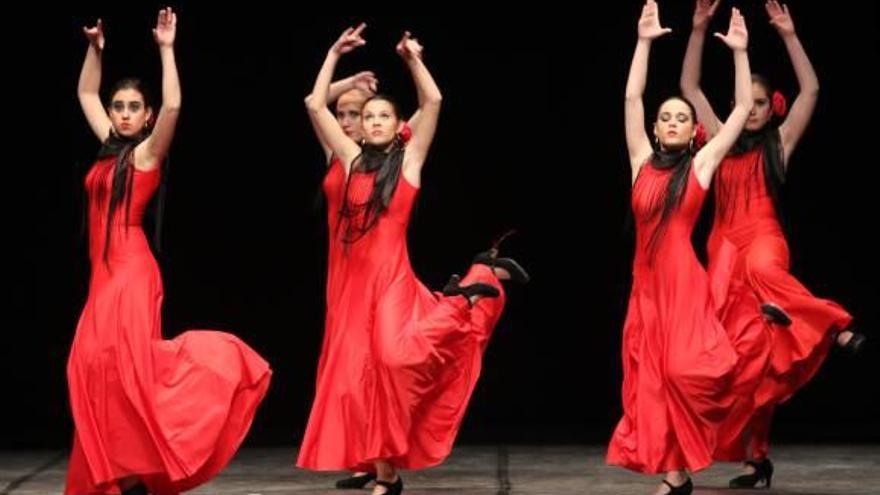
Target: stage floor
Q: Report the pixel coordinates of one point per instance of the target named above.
(485, 470)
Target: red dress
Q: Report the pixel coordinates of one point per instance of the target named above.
(398, 363)
(780, 359)
(677, 359)
(172, 412)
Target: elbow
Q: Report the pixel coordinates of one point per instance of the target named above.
(172, 106)
(688, 89)
(435, 99)
(83, 93)
(741, 111)
(312, 105)
(812, 91)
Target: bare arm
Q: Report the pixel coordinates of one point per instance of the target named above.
(323, 120)
(90, 83)
(637, 143)
(709, 157)
(365, 81)
(798, 118)
(692, 66)
(426, 117)
(154, 149)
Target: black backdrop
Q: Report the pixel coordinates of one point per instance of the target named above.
(531, 137)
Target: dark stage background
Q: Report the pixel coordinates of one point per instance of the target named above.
(531, 137)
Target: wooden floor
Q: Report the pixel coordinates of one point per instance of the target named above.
(800, 469)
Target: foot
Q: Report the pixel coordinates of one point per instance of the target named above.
(504, 268)
(356, 481)
(775, 314)
(472, 292)
(851, 341)
(755, 473)
(389, 487)
(675, 482)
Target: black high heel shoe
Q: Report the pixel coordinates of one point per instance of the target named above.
(490, 258)
(684, 489)
(763, 473)
(395, 488)
(138, 489)
(775, 314)
(355, 482)
(855, 343)
(454, 288)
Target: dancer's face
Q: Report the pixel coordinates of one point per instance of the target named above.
(761, 108)
(675, 126)
(128, 112)
(348, 113)
(380, 122)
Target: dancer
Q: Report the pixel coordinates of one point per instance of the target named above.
(774, 361)
(151, 415)
(677, 359)
(398, 363)
(349, 95)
